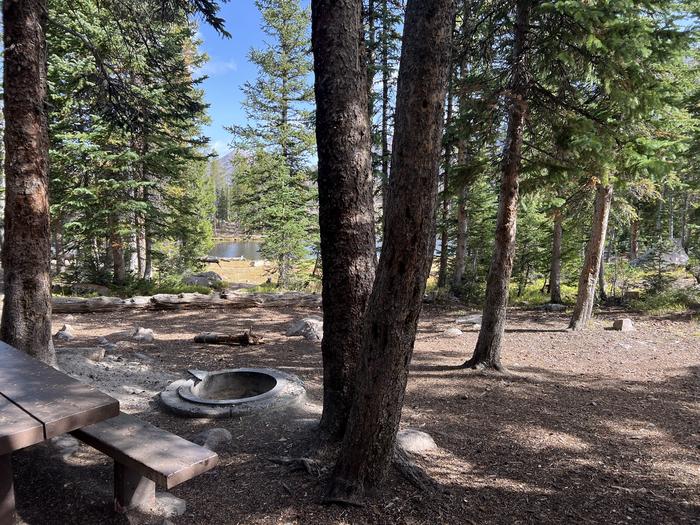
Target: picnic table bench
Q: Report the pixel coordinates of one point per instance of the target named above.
(38, 402)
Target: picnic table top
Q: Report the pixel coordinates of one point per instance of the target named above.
(37, 400)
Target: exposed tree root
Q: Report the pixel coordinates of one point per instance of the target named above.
(344, 492)
(481, 365)
(412, 472)
(310, 466)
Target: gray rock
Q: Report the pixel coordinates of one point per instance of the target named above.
(66, 333)
(453, 332)
(168, 506)
(203, 279)
(415, 441)
(143, 335)
(623, 325)
(214, 439)
(102, 341)
(671, 255)
(310, 328)
(553, 307)
(65, 445)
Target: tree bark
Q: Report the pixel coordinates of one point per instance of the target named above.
(602, 285)
(26, 316)
(555, 266)
(460, 263)
(147, 242)
(684, 222)
(444, 218)
(487, 353)
(386, 80)
(117, 245)
(392, 313)
(634, 239)
(346, 218)
(592, 261)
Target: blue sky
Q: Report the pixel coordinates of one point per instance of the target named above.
(228, 68)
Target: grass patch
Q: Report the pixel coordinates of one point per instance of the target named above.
(671, 301)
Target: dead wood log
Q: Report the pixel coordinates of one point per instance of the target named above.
(242, 339)
(77, 305)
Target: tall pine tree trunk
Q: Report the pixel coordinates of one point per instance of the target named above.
(445, 212)
(684, 221)
(555, 265)
(460, 262)
(26, 316)
(592, 260)
(386, 81)
(394, 306)
(346, 211)
(634, 239)
(117, 245)
(487, 353)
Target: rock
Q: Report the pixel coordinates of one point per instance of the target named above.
(214, 439)
(257, 264)
(65, 445)
(554, 307)
(671, 255)
(623, 325)
(470, 319)
(66, 333)
(168, 506)
(415, 441)
(102, 341)
(110, 348)
(453, 332)
(143, 335)
(311, 328)
(209, 279)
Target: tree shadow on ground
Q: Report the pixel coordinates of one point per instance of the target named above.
(539, 445)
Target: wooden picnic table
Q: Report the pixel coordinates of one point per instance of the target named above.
(38, 402)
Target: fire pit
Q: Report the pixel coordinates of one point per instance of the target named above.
(234, 392)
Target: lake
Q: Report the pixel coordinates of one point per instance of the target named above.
(246, 249)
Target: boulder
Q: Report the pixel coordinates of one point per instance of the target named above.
(310, 328)
(66, 333)
(214, 439)
(623, 325)
(671, 255)
(415, 441)
(453, 332)
(143, 335)
(209, 279)
(554, 307)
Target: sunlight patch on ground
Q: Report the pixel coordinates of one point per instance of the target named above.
(538, 438)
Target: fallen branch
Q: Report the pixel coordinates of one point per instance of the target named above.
(242, 339)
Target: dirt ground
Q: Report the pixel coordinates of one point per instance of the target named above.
(594, 427)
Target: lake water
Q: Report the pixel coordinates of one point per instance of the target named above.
(246, 249)
(250, 250)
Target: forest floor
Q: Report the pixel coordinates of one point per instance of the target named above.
(592, 427)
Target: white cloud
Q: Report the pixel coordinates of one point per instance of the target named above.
(219, 146)
(217, 67)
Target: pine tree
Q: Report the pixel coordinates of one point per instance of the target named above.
(280, 138)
